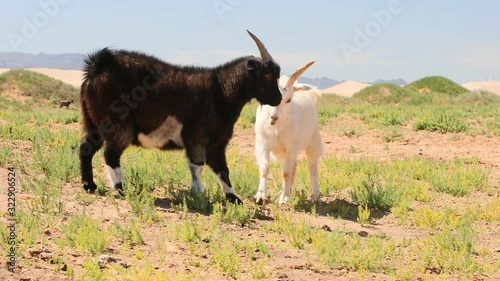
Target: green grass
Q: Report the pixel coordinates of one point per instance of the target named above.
(241, 214)
(460, 181)
(227, 259)
(56, 154)
(351, 251)
(9, 104)
(160, 216)
(247, 116)
(129, 234)
(437, 84)
(92, 270)
(392, 135)
(386, 94)
(444, 122)
(477, 98)
(468, 112)
(448, 251)
(376, 194)
(36, 88)
(85, 234)
(5, 155)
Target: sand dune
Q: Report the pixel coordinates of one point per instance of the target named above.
(346, 89)
(489, 85)
(72, 77)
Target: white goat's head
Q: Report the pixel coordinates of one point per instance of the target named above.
(287, 92)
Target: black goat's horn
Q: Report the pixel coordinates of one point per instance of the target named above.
(264, 54)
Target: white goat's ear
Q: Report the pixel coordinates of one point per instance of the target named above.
(301, 88)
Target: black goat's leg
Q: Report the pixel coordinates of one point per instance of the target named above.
(216, 160)
(196, 156)
(90, 144)
(112, 158)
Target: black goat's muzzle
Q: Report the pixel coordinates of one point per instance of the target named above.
(275, 101)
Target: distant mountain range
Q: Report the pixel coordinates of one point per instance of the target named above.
(41, 60)
(75, 61)
(398, 81)
(321, 83)
(325, 82)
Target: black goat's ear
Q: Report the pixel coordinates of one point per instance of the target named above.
(253, 65)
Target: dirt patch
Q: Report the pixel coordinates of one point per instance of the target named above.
(287, 263)
(371, 144)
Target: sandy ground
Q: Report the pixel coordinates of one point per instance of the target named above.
(294, 264)
(286, 261)
(431, 145)
(346, 89)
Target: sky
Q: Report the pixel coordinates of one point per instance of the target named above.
(349, 40)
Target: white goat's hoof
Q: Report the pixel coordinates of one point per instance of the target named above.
(260, 201)
(260, 198)
(315, 197)
(283, 200)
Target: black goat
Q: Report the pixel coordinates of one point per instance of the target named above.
(65, 103)
(129, 98)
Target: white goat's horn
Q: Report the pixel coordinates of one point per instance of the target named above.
(264, 54)
(296, 74)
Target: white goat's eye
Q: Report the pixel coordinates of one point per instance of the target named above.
(288, 101)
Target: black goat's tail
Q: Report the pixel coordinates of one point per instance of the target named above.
(96, 62)
(93, 65)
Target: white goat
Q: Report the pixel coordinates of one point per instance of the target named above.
(287, 129)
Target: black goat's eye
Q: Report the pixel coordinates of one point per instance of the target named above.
(268, 76)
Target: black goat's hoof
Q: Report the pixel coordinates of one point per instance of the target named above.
(233, 198)
(90, 187)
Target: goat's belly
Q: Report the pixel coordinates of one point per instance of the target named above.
(167, 136)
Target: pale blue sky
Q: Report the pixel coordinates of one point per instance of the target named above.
(350, 40)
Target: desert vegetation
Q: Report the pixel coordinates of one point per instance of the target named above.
(391, 209)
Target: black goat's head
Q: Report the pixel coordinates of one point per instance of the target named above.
(265, 72)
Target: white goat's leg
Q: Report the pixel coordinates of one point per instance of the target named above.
(314, 179)
(313, 154)
(287, 180)
(196, 171)
(294, 173)
(262, 156)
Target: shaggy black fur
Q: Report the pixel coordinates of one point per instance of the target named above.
(125, 93)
